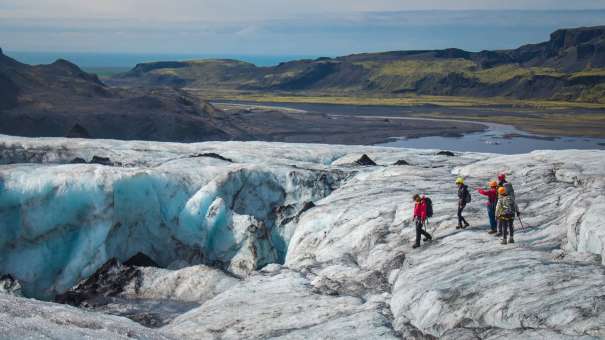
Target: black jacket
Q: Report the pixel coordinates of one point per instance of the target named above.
(462, 192)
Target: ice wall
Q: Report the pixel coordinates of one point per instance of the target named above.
(59, 223)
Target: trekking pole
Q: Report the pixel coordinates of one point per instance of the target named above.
(522, 226)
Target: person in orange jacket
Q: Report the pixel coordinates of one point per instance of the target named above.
(419, 217)
(492, 200)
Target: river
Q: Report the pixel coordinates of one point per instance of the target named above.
(497, 138)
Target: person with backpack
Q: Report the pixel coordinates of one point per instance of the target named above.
(423, 209)
(505, 212)
(492, 201)
(464, 197)
(502, 182)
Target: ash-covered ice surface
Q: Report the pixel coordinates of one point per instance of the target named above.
(241, 240)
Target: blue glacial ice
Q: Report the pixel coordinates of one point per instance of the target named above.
(61, 222)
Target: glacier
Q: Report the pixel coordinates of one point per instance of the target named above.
(264, 240)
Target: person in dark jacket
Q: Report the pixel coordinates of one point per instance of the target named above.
(502, 182)
(492, 200)
(463, 199)
(506, 209)
(419, 217)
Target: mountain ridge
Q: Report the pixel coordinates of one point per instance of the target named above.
(570, 66)
(60, 98)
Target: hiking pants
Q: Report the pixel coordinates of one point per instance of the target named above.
(420, 231)
(491, 212)
(460, 218)
(505, 227)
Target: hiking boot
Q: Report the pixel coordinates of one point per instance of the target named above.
(466, 224)
(503, 241)
(415, 246)
(498, 234)
(491, 232)
(511, 240)
(427, 239)
(459, 227)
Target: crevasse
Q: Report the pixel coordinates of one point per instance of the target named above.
(61, 222)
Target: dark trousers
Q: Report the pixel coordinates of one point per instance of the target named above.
(505, 227)
(420, 231)
(460, 218)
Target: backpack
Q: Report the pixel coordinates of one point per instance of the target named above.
(508, 207)
(429, 207)
(467, 196)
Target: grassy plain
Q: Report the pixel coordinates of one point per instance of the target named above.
(549, 118)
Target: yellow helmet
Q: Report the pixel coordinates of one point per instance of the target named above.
(493, 184)
(459, 180)
(502, 190)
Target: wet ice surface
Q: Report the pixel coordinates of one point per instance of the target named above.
(246, 257)
(502, 139)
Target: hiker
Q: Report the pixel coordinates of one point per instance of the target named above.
(502, 182)
(505, 212)
(420, 215)
(464, 197)
(492, 200)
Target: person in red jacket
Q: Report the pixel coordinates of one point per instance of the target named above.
(492, 200)
(420, 218)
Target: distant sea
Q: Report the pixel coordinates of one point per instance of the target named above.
(126, 61)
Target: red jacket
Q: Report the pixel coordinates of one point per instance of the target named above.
(420, 210)
(492, 196)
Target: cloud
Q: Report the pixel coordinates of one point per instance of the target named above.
(254, 10)
(312, 27)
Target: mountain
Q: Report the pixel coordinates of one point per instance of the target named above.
(62, 100)
(570, 66)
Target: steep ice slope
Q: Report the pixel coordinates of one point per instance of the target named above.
(349, 270)
(63, 221)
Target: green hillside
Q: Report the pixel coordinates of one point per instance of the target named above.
(569, 67)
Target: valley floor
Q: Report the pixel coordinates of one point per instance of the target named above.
(293, 241)
(548, 118)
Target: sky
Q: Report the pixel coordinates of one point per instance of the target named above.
(280, 27)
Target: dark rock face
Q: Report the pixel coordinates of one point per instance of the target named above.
(446, 153)
(77, 131)
(212, 155)
(365, 161)
(10, 285)
(107, 281)
(106, 292)
(141, 260)
(95, 160)
(8, 93)
(401, 162)
(78, 160)
(101, 160)
(59, 100)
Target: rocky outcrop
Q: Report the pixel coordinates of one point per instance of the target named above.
(10, 286)
(146, 294)
(365, 160)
